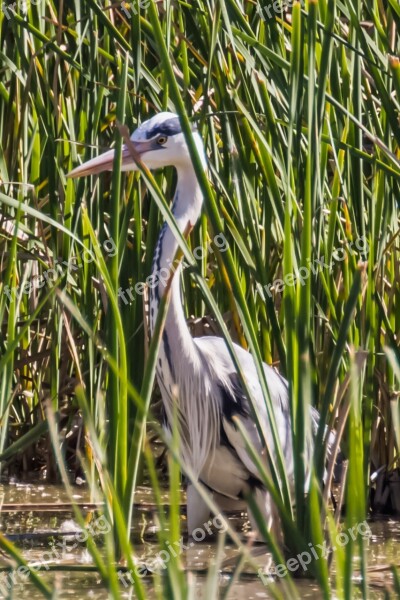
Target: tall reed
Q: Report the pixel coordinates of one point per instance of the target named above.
(299, 110)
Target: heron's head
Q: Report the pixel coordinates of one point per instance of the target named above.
(158, 142)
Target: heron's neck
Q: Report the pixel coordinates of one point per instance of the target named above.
(186, 209)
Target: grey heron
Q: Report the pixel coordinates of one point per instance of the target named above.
(209, 392)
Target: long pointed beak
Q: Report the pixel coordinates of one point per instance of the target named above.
(104, 162)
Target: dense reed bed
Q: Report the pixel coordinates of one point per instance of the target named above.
(299, 111)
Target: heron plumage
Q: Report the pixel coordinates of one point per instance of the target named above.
(197, 376)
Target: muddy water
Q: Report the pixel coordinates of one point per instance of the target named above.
(44, 535)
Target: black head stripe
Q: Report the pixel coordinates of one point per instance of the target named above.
(169, 127)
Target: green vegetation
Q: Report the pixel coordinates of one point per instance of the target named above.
(299, 112)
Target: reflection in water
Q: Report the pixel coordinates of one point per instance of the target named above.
(51, 537)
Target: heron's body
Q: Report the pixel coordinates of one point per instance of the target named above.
(199, 374)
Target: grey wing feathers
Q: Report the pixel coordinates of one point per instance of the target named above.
(235, 403)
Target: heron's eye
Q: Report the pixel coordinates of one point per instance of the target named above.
(161, 140)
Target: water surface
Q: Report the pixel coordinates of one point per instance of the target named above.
(42, 525)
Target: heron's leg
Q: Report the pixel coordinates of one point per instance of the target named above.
(270, 515)
(198, 512)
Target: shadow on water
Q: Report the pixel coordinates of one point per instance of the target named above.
(39, 520)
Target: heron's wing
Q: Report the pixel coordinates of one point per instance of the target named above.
(234, 402)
